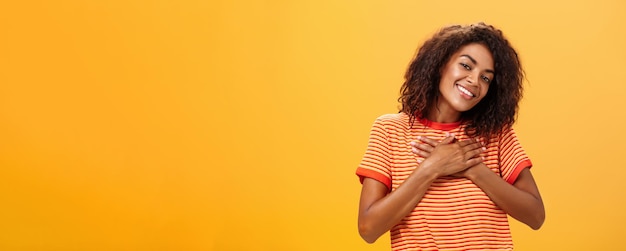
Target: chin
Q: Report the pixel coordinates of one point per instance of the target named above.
(463, 108)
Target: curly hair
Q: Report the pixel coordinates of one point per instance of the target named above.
(497, 110)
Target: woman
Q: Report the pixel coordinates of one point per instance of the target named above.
(445, 171)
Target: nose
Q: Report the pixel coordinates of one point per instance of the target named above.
(472, 78)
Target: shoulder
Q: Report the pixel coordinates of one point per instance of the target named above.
(393, 125)
(507, 134)
(394, 119)
(508, 140)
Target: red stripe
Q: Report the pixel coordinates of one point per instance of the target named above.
(366, 173)
(454, 213)
(524, 164)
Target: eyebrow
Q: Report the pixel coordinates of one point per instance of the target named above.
(474, 61)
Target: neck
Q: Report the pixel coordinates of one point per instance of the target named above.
(443, 115)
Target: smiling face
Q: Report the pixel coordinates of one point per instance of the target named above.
(464, 82)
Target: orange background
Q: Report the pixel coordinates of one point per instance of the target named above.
(238, 125)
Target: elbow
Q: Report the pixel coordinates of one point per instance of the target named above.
(538, 221)
(536, 226)
(367, 233)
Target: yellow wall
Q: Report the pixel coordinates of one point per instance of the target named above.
(237, 125)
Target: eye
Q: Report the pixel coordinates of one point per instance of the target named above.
(486, 79)
(466, 66)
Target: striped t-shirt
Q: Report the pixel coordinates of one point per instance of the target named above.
(454, 214)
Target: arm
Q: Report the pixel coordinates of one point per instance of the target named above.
(380, 210)
(521, 200)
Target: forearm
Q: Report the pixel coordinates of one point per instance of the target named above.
(385, 213)
(521, 202)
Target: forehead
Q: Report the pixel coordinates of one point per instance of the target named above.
(478, 52)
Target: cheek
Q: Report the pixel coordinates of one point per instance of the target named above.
(484, 90)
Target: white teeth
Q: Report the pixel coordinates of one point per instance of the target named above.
(463, 90)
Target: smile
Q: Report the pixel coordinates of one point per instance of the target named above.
(465, 91)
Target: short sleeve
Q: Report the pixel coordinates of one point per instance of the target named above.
(512, 157)
(376, 160)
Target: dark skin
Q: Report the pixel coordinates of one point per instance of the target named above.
(464, 83)
(380, 210)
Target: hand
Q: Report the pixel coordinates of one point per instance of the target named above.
(451, 157)
(427, 145)
(467, 173)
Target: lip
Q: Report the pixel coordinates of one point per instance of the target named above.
(459, 87)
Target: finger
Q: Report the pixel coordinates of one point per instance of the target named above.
(474, 161)
(448, 139)
(428, 140)
(466, 142)
(420, 152)
(474, 153)
(473, 146)
(425, 147)
(419, 146)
